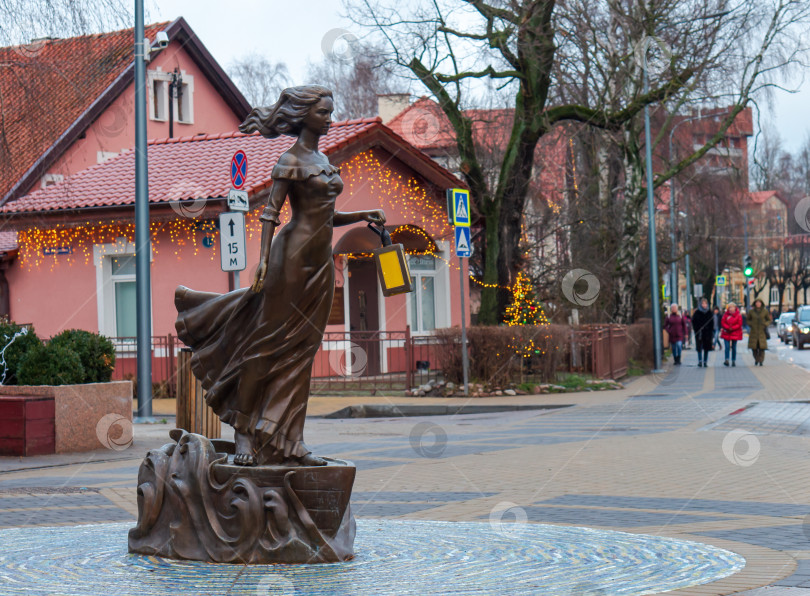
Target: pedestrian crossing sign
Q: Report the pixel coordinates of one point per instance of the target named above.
(463, 245)
(459, 203)
(720, 280)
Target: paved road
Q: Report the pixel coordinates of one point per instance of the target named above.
(790, 353)
(717, 455)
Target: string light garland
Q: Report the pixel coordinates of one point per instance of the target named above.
(40, 247)
(525, 311)
(365, 174)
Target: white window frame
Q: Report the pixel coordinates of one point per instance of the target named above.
(774, 295)
(441, 293)
(105, 283)
(102, 156)
(51, 179)
(165, 78)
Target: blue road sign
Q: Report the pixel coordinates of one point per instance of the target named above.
(238, 169)
(463, 244)
(461, 207)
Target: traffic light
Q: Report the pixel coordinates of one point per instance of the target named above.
(748, 268)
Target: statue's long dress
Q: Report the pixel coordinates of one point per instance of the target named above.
(254, 352)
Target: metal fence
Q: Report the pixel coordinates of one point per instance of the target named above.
(367, 361)
(353, 361)
(388, 361)
(600, 350)
(164, 362)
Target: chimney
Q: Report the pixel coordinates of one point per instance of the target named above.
(391, 104)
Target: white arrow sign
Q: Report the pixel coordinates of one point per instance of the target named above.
(232, 241)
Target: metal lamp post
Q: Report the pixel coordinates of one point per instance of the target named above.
(689, 293)
(656, 310)
(143, 289)
(674, 280)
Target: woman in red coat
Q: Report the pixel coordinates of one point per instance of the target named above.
(731, 325)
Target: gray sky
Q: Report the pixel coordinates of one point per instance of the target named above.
(294, 32)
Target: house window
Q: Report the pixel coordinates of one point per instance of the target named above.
(51, 179)
(774, 295)
(122, 276)
(115, 288)
(160, 98)
(423, 297)
(183, 100)
(102, 156)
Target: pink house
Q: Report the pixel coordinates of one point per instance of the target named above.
(68, 104)
(76, 237)
(67, 193)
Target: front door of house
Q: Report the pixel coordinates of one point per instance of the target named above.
(364, 312)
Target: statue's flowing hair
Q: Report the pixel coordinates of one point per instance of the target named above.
(285, 117)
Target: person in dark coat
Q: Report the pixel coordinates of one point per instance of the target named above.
(676, 327)
(703, 324)
(687, 318)
(717, 316)
(758, 319)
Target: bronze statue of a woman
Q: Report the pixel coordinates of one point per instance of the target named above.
(253, 348)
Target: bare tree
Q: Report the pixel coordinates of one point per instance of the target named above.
(28, 20)
(449, 45)
(260, 80)
(357, 75)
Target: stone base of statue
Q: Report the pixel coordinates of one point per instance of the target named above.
(194, 504)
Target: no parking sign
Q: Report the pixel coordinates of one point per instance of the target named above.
(238, 169)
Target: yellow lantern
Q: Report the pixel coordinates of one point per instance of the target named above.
(392, 265)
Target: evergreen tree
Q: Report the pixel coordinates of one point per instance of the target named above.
(524, 309)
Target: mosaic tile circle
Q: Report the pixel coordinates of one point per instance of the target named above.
(392, 557)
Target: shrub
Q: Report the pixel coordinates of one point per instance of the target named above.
(96, 353)
(49, 364)
(14, 350)
(640, 343)
(500, 355)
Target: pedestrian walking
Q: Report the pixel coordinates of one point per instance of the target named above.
(758, 320)
(717, 316)
(732, 326)
(688, 339)
(703, 324)
(675, 325)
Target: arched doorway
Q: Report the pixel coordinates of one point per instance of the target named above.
(361, 288)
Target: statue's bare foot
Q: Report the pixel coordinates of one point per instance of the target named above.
(244, 450)
(244, 459)
(311, 460)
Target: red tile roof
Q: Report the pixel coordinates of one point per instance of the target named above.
(8, 241)
(425, 126)
(46, 86)
(190, 167)
(760, 196)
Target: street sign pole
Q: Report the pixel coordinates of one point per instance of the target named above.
(465, 365)
(237, 201)
(459, 212)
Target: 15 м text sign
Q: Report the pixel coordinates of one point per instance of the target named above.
(232, 241)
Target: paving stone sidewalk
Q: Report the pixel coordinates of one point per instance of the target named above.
(705, 454)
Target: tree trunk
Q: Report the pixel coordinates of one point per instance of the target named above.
(625, 279)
